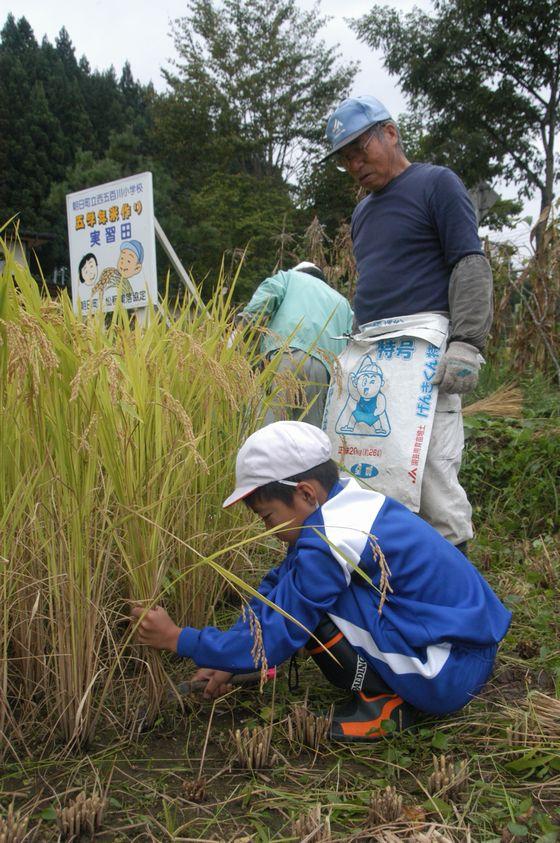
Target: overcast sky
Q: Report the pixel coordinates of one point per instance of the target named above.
(109, 32)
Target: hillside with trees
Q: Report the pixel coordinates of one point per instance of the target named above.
(231, 141)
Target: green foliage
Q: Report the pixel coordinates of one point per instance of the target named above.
(261, 71)
(248, 96)
(329, 195)
(33, 146)
(52, 108)
(503, 212)
(233, 213)
(249, 92)
(485, 78)
(510, 473)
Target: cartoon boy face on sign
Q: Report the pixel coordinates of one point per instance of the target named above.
(364, 413)
(368, 383)
(130, 258)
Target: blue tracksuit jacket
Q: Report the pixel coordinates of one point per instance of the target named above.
(434, 642)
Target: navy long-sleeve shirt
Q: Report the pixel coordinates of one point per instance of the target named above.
(407, 238)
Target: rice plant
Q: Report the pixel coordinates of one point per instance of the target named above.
(119, 446)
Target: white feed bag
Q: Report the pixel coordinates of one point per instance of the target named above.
(381, 402)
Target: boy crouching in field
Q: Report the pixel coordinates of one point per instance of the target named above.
(429, 646)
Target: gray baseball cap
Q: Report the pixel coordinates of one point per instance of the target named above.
(352, 117)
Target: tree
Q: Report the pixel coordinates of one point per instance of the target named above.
(235, 215)
(262, 72)
(249, 94)
(51, 108)
(33, 146)
(59, 71)
(329, 195)
(485, 77)
(192, 139)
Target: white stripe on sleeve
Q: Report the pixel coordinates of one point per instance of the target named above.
(437, 654)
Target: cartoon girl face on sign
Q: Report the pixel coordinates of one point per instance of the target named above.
(88, 269)
(365, 413)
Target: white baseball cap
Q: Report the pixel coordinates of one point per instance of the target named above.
(276, 452)
(310, 269)
(306, 265)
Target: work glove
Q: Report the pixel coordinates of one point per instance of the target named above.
(241, 319)
(458, 369)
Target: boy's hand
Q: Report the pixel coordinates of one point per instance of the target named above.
(217, 682)
(156, 629)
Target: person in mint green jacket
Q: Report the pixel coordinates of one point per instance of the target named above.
(306, 317)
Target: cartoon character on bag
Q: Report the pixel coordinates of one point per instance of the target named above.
(364, 413)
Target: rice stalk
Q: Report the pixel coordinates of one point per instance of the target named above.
(518, 732)
(432, 835)
(386, 806)
(505, 402)
(83, 815)
(194, 790)
(313, 827)
(14, 827)
(306, 729)
(449, 779)
(546, 711)
(253, 747)
(109, 435)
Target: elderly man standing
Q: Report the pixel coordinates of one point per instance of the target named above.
(417, 250)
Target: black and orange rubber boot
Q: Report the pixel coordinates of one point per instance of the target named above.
(361, 718)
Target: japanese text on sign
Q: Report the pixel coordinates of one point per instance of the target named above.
(111, 233)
